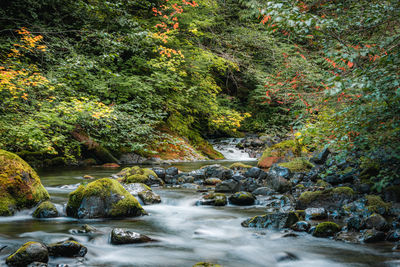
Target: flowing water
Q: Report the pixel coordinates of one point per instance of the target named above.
(186, 233)
(227, 147)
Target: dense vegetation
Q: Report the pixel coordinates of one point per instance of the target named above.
(128, 73)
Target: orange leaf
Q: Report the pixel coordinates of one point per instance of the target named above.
(350, 64)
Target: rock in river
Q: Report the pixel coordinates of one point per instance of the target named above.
(104, 198)
(30, 252)
(123, 236)
(20, 186)
(45, 210)
(68, 248)
(242, 198)
(277, 220)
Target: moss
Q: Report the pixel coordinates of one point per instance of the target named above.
(20, 186)
(308, 197)
(286, 149)
(45, 207)
(219, 198)
(326, 229)
(343, 191)
(136, 175)
(239, 165)
(206, 264)
(300, 186)
(322, 183)
(103, 188)
(376, 204)
(299, 164)
(21, 250)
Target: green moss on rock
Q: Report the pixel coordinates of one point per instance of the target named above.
(20, 186)
(376, 204)
(137, 175)
(45, 210)
(239, 166)
(30, 252)
(326, 229)
(107, 193)
(328, 197)
(288, 150)
(299, 164)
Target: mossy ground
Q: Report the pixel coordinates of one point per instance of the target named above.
(20, 186)
(103, 188)
(299, 164)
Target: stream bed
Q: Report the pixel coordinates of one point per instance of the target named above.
(186, 233)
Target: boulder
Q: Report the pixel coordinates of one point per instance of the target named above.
(242, 198)
(139, 175)
(104, 198)
(159, 171)
(377, 222)
(299, 164)
(372, 236)
(239, 166)
(280, 171)
(253, 172)
(264, 191)
(68, 248)
(144, 192)
(355, 223)
(316, 214)
(212, 181)
(320, 156)
(326, 229)
(123, 236)
(393, 236)
(330, 199)
(217, 171)
(279, 152)
(274, 220)
(198, 174)
(348, 237)
(227, 186)
(301, 226)
(278, 183)
(20, 186)
(213, 199)
(172, 171)
(45, 210)
(30, 252)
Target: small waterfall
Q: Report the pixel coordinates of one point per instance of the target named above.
(228, 148)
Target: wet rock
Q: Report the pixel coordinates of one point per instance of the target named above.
(172, 171)
(218, 171)
(191, 186)
(301, 226)
(159, 171)
(227, 186)
(253, 172)
(103, 198)
(187, 179)
(286, 256)
(393, 236)
(69, 248)
(372, 236)
(38, 264)
(277, 170)
(123, 236)
(212, 181)
(249, 184)
(238, 177)
(149, 197)
(242, 198)
(326, 229)
(355, 223)
(213, 199)
(30, 252)
(331, 199)
(198, 174)
(45, 210)
(316, 214)
(85, 229)
(131, 158)
(264, 191)
(274, 220)
(278, 183)
(396, 248)
(20, 186)
(88, 177)
(321, 156)
(376, 221)
(289, 234)
(348, 237)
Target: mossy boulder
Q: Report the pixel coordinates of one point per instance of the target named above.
(213, 199)
(20, 186)
(377, 205)
(30, 252)
(330, 199)
(242, 198)
(139, 175)
(45, 210)
(273, 220)
(68, 248)
(299, 164)
(104, 198)
(239, 166)
(123, 236)
(283, 151)
(144, 192)
(326, 229)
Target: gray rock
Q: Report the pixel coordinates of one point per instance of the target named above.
(264, 191)
(198, 174)
(131, 158)
(278, 183)
(355, 223)
(277, 170)
(123, 236)
(212, 181)
(190, 186)
(376, 221)
(393, 236)
(253, 172)
(320, 157)
(274, 220)
(238, 177)
(213, 199)
(67, 248)
(348, 237)
(30, 252)
(172, 171)
(159, 171)
(227, 186)
(372, 236)
(301, 226)
(285, 256)
(218, 171)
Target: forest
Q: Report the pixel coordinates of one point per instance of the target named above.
(310, 89)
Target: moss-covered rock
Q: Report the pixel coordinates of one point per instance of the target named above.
(68, 248)
(285, 150)
(242, 198)
(328, 198)
(376, 204)
(139, 175)
(274, 220)
(102, 199)
(20, 186)
(239, 166)
(326, 229)
(144, 192)
(299, 164)
(123, 236)
(28, 253)
(45, 210)
(214, 199)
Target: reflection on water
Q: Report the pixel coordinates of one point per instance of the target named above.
(186, 234)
